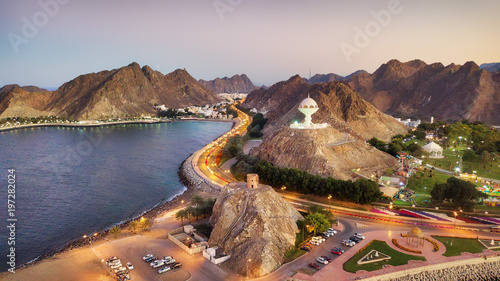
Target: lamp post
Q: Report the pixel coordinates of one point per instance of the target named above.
(248, 273)
(329, 197)
(455, 221)
(390, 214)
(283, 189)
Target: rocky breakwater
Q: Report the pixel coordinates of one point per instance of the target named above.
(255, 226)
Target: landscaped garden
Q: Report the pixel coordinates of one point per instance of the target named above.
(456, 246)
(397, 258)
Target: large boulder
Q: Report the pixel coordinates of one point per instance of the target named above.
(265, 228)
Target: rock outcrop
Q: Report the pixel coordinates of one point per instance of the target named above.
(416, 89)
(266, 228)
(118, 93)
(236, 84)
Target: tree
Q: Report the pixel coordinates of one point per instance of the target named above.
(462, 194)
(181, 215)
(380, 145)
(115, 231)
(134, 226)
(469, 156)
(317, 223)
(197, 200)
(145, 224)
(192, 212)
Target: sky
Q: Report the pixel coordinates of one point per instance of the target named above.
(49, 42)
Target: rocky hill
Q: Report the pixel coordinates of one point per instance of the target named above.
(417, 89)
(339, 106)
(333, 151)
(265, 231)
(236, 84)
(130, 90)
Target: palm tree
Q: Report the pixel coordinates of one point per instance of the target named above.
(181, 215)
(115, 231)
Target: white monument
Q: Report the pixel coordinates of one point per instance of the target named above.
(308, 107)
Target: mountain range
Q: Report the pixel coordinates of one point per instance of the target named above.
(236, 84)
(122, 92)
(420, 90)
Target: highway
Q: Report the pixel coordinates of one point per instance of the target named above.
(208, 161)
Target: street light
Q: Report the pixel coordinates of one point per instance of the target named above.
(390, 214)
(455, 222)
(329, 197)
(248, 273)
(283, 189)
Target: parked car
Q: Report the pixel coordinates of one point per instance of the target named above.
(169, 262)
(150, 259)
(355, 239)
(319, 238)
(314, 242)
(130, 266)
(314, 265)
(359, 235)
(329, 260)
(111, 259)
(322, 260)
(176, 265)
(306, 248)
(114, 262)
(332, 230)
(164, 269)
(157, 263)
(348, 243)
(147, 257)
(325, 235)
(337, 251)
(113, 266)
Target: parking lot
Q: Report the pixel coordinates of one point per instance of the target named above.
(132, 249)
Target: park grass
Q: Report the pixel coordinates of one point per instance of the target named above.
(400, 202)
(293, 254)
(450, 162)
(460, 245)
(397, 258)
(418, 182)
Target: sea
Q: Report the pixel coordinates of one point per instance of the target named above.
(69, 182)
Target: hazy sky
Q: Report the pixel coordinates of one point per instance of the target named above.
(52, 43)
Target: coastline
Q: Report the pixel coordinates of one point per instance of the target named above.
(187, 177)
(104, 124)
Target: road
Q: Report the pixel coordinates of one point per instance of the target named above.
(208, 161)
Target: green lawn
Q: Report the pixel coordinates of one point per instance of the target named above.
(459, 245)
(423, 183)
(293, 254)
(397, 258)
(450, 162)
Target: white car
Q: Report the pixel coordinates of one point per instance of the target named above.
(327, 234)
(157, 263)
(348, 243)
(314, 239)
(332, 230)
(322, 260)
(164, 269)
(122, 268)
(314, 242)
(113, 266)
(169, 261)
(319, 238)
(130, 266)
(147, 256)
(359, 235)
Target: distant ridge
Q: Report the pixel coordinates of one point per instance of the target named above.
(420, 90)
(491, 67)
(330, 77)
(126, 91)
(236, 84)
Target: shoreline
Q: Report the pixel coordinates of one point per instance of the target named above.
(104, 124)
(188, 178)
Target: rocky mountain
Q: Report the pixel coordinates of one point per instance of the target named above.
(420, 90)
(333, 151)
(491, 67)
(28, 101)
(264, 232)
(236, 84)
(330, 77)
(130, 90)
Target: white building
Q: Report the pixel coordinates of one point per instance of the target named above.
(308, 107)
(434, 150)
